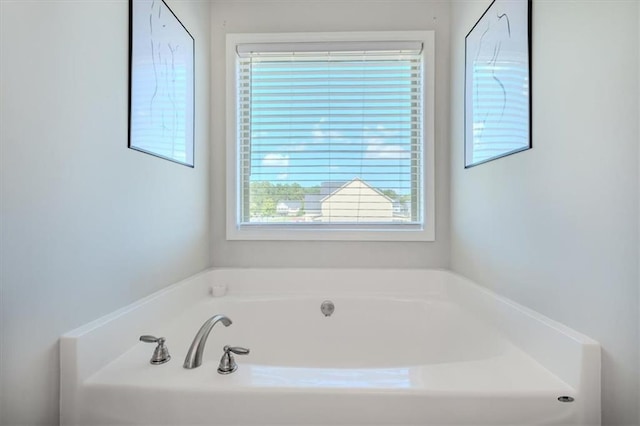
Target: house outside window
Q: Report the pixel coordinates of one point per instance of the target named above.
(330, 136)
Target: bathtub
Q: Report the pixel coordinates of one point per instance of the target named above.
(403, 347)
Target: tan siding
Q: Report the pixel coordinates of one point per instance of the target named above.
(357, 202)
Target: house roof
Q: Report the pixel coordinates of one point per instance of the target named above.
(328, 188)
(291, 204)
(344, 184)
(313, 202)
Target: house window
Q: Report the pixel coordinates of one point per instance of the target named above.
(330, 136)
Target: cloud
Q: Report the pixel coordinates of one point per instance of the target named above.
(380, 151)
(275, 160)
(278, 161)
(321, 135)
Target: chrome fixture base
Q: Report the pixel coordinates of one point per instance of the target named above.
(222, 371)
(160, 361)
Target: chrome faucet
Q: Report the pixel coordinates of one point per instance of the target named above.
(194, 356)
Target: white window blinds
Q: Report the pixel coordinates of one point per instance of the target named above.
(330, 136)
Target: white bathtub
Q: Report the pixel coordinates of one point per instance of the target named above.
(403, 347)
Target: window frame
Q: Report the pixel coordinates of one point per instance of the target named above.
(331, 232)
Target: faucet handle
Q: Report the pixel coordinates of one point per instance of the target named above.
(227, 362)
(150, 339)
(236, 350)
(161, 353)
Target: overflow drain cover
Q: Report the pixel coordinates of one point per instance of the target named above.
(327, 308)
(566, 399)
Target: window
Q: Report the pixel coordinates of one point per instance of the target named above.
(330, 136)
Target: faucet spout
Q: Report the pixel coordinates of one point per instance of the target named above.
(194, 356)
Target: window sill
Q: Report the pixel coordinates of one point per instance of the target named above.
(335, 233)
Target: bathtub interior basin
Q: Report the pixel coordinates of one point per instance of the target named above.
(431, 348)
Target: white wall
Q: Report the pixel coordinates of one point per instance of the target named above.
(255, 16)
(88, 225)
(556, 228)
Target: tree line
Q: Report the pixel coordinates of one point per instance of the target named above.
(265, 196)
